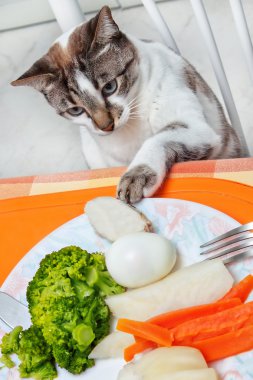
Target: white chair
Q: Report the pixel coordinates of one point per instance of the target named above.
(68, 14)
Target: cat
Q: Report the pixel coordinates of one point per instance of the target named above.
(138, 103)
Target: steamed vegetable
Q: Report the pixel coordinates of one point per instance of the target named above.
(213, 325)
(139, 259)
(241, 290)
(66, 302)
(146, 330)
(112, 218)
(67, 307)
(33, 352)
(223, 346)
(176, 317)
(197, 284)
(165, 363)
(215, 342)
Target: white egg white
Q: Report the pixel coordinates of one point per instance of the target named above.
(140, 259)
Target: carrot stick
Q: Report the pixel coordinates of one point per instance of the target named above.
(240, 290)
(214, 325)
(137, 348)
(226, 345)
(221, 320)
(175, 318)
(146, 331)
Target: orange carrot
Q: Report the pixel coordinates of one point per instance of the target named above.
(226, 345)
(137, 348)
(175, 318)
(146, 331)
(240, 290)
(214, 325)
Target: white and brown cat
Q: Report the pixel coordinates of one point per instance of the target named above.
(138, 103)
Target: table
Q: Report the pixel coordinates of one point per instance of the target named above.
(238, 170)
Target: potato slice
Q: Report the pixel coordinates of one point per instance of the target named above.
(112, 218)
(197, 284)
(198, 374)
(128, 372)
(173, 363)
(169, 359)
(112, 346)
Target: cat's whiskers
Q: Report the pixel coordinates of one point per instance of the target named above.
(136, 112)
(135, 115)
(132, 101)
(134, 106)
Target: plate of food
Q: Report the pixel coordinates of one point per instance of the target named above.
(151, 268)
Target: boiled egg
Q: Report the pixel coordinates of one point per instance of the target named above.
(140, 258)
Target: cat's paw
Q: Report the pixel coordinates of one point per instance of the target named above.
(136, 183)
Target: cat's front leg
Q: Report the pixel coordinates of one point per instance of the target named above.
(147, 171)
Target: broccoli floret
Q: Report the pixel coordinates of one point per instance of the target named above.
(7, 361)
(45, 371)
(74, 360)
(68, 312)
(83, 335)
(98, 313)
(36, 359)
(35, 355)
(82, 290)
(10, 341)
(80, 362)
(33, 350)
(103, 281)
(66, 301)
(62, 354)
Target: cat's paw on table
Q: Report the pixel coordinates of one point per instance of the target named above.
(136, 183)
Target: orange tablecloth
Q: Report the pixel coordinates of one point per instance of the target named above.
(238, 170)
(31, 207)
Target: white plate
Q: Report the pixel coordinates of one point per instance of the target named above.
(187, 224)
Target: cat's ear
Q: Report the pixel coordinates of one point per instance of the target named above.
(38, 76)
(106, 28)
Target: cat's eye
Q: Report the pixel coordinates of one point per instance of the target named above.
(109, 88)
(76, 111)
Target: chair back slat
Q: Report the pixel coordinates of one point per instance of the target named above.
(243, 32)
(160, 24)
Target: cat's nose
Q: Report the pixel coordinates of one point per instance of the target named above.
(109, 127)
(103, 120)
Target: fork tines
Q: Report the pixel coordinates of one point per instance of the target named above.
(240, 245)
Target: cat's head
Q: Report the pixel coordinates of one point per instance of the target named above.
(89, 74)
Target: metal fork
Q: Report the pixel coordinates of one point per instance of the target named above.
(228, 247)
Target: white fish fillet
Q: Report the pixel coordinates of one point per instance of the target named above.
(112, 218)
(197, 284)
